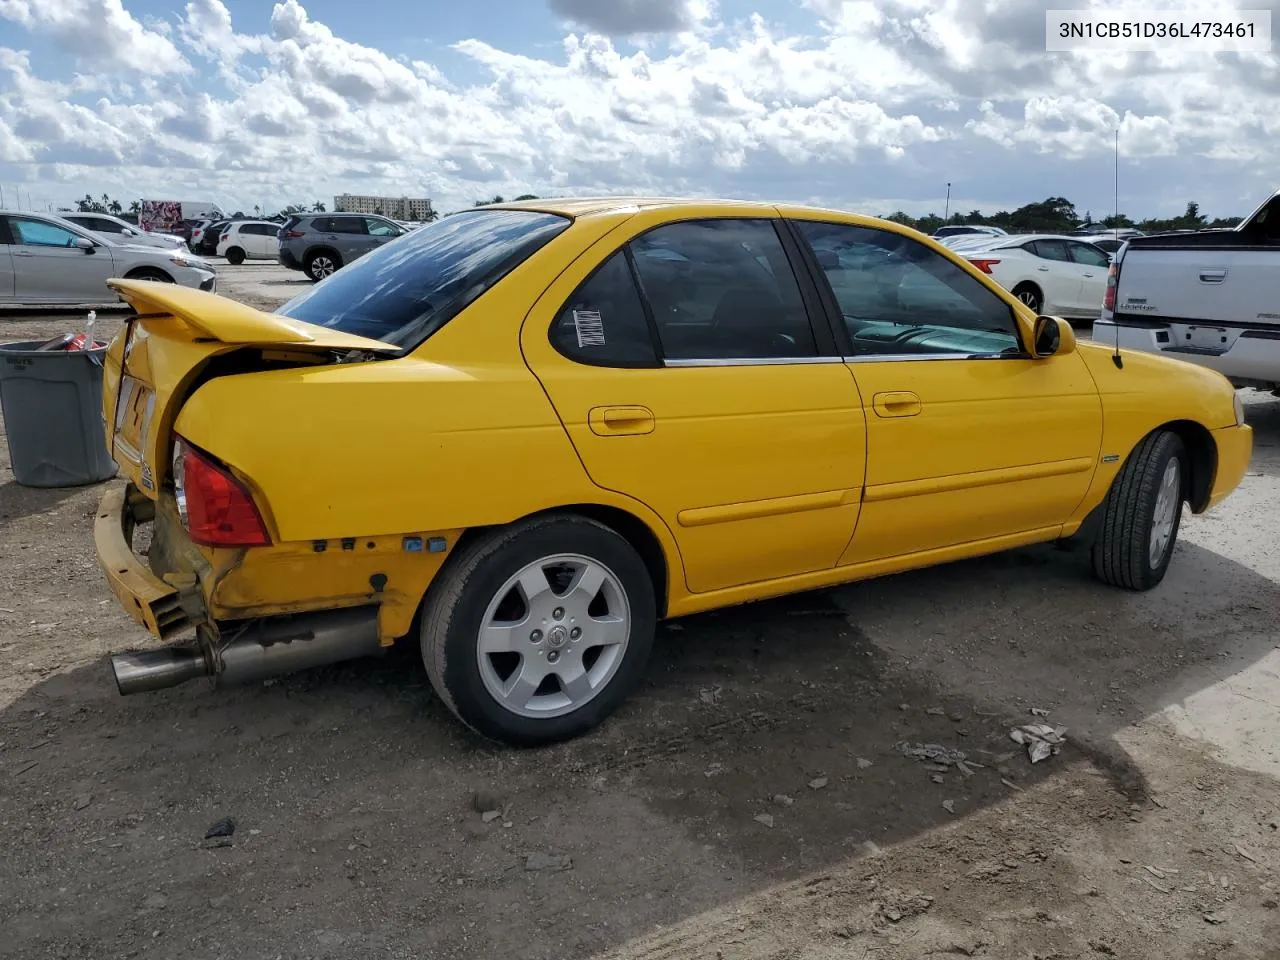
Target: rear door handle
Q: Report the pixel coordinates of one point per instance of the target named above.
(1212, 276)
(1043, 269)
(898, 403)
(22, 253)
(621, 421)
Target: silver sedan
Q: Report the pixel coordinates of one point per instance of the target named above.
(46, 259)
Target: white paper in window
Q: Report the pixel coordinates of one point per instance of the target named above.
(590, 328)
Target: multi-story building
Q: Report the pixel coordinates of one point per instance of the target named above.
(398, 208)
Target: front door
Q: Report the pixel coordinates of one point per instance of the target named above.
(690, 376)
(968, 439)
(47, 264)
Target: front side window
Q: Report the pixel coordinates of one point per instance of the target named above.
(406, 290)
(381, 228)
(37, 233)
(899, 297)
(604, 322)
(722, 289)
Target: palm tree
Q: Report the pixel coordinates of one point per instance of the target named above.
(317, 207)
(116, 208)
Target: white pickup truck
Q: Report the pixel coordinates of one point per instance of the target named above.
(1211, 297)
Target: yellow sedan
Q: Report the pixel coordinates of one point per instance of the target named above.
(523, 434)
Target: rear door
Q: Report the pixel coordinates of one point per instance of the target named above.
(350, 235)
(1059, 276)
(1093, 265)
(49, 266)
(380, 231)
(693, 373)
(6, 261)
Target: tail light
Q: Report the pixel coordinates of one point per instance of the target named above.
(1113, 280)
(291, 234)
(217, 509)
(983, 265)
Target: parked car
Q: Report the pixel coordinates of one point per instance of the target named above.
(1210, 297)
(197, 233)
(318, 244)
(719, 403)
(1058, 275)
(243, 240)
(47, 259)
(968, 229)
(207, 245)
(114, 228)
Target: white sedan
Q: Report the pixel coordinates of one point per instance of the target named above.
(1056, 275)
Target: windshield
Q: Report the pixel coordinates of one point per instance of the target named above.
(406, 290)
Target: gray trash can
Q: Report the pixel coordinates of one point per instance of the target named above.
(52, 406)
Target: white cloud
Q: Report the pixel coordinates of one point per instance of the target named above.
(624, 18)
(99, 32)
(883, 99)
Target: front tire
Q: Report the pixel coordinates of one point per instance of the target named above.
(149, 273)
(235, 256)
(537, 632)
(1142, 514)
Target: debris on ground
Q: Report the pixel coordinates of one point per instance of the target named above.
(547, 861)
(817, 783)
(937, 778)
(863, 764)
(936, 712)
(934, 753)
(1214, 918)
(1041, 740)
(483, 800)
(710, 695)
(82, 801)
(949, 806)
(764, 818)
(1246, 854)
(490, 815)
(782, 800)
(902, 907)
(1039, 712)
(222, 828)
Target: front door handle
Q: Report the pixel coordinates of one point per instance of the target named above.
(1212, 276)
(1043, 269)
(621, 421)
(898, 403)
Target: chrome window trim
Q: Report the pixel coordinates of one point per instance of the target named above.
(747, 361)
(904, 357)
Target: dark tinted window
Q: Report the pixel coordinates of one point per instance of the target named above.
(1088, 255)
(410, 287)
(723, 289)
(604, 321)
(1050, 250)
(347, 225)
(899, 297)
(321, 224)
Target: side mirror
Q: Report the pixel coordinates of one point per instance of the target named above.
(128, 232)
(85, 244)
(1052, 337)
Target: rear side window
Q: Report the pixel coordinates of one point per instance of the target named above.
(604, 321)
(723, 290)
(1051, 250)
(348, 225)
(410, 287)
(320, 224)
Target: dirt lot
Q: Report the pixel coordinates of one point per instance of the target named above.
(750, 801)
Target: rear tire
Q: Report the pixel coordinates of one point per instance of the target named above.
(535, 633)
(321, 263)
(1142, 513)
(235, 256)
(1030, 295)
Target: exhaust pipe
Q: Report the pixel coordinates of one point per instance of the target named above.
(267, 648)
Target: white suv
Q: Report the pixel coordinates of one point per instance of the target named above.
(243, 240)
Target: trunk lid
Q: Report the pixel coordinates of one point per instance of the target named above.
(169, 348)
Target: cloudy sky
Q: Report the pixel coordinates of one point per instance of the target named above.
(872, 106)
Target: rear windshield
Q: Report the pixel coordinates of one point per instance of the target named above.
(407, 289)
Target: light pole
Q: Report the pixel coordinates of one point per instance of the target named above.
(946, 214)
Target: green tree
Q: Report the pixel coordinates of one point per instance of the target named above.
(317, 207)
(524, 196)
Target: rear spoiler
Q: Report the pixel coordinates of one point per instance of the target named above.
(231, 322)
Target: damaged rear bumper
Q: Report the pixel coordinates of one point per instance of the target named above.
(164, 608)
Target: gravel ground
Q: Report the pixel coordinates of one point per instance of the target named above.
(750, 801)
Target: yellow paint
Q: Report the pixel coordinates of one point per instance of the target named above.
(755, 480)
